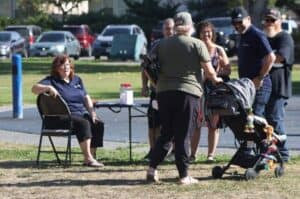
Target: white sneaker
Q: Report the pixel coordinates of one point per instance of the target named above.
(188, 180)
(152, 175)
(210, 159)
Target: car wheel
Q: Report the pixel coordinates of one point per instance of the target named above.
(97, 57)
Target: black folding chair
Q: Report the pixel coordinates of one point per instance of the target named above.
(56, 122)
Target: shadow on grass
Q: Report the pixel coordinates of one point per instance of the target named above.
(17, 164)
(296, 87)
(50, 164)
(63, 182)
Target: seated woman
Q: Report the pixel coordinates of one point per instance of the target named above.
(87, 127)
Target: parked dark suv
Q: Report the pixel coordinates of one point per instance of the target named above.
(28, 32)
(84, 36)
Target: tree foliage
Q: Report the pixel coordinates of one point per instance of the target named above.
(65, 6)
(147, 13)
(207, 8)
(152, 9)
(290, 4)
(28, 8)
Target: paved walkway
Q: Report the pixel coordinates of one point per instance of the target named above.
(26, 130)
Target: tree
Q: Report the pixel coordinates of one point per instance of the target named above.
(27, 8)
(207, 8)
(289, 4)
(65, 6)
(202, 9)
(256, 10)
(146, 9)
(147, 13)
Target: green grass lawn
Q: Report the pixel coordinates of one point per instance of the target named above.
(102, 79)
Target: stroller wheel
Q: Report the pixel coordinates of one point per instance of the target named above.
(217, 172)
(250, 174)
(279, 171)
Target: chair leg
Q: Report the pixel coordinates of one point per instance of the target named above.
(39, 150)
(54, 150)
(70, 148)
(68, 152)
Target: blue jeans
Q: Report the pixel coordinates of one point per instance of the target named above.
(275, 113)
(261, 99)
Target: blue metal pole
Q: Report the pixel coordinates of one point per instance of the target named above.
(17, 86)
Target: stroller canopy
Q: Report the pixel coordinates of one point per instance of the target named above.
(243, 90)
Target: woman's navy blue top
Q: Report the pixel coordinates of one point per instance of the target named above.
(73, 92)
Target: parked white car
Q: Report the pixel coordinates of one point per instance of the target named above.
(289, 26)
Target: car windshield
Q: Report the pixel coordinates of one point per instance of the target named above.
(4, 37)
(52, 37)
(22, 31)
(74, 30)
(114, 31)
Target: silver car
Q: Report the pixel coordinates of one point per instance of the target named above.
(12, 42)
(54, 43)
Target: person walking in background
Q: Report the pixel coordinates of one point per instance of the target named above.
(255, 58)
(153, 116)
(219, 60)
(283, 46)
(178, 93)
(87, 127)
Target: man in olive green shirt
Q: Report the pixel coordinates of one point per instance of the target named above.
(179, 89)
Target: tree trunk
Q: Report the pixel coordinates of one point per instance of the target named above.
(256, 10)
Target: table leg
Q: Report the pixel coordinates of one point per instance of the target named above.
(129, 132)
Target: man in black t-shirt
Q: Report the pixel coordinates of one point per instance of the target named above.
(283, 47)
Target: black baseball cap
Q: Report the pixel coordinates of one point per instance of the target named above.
(273, 13)
(238, 14)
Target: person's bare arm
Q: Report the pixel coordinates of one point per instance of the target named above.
(90, 107)
(145, 88)
(41, 88)
(267, 65)
(210, 72)
(224, 68)
(279, 59)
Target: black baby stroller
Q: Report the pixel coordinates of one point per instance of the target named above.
(256, 140)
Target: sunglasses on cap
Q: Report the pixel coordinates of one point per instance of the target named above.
(269, 20)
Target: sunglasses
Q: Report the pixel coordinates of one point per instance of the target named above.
(237, 23)
(270, 20)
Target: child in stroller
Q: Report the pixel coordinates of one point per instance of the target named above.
(257, 142)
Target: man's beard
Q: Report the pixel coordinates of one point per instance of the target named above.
(270, 32)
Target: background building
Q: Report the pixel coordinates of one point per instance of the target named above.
(7, 8)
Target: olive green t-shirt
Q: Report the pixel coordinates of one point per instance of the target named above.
(179, 58)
